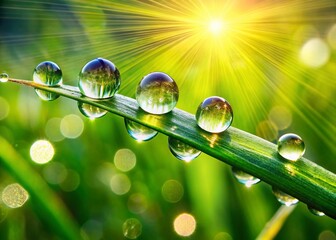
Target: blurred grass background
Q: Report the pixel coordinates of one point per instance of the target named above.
(274, 61)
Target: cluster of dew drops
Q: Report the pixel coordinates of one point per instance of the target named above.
(157, 93)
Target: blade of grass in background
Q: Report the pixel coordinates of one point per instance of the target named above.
(52, 208)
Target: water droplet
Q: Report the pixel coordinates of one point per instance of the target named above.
(214, 114)
(284, 198)
(14, 195)
(138, 131)
(132, 228)
(181, 150)
(91, 111)
(45, 95)
(291, 146)
(99, 78)
(244, 178)
(157, 93)
(4, 77)
(47, 73)
(316, 212)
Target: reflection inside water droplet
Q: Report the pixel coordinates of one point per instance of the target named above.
(284, 198)
(244, 178)
(181, 150)
(157, 93)
(316, 212)
(4, 77)
(91, 111)
(47, 73)
(214, 114)
(291, 146)
(45, 95)
(138, 131)
(99, 79)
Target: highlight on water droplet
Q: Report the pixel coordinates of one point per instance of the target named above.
(4, 77)
(124, 160)
(181, 150)
(48, 73)
(132, 228)
(99, 79)
(46, 96)
(291, 146)
(91, 111)
(185, 224)
(157, 93)
(41, 151)
(244, 178)
(316, 212)
(138, 131)
(284, 198)
(214, 114)
(14, 195)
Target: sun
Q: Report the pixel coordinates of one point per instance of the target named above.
(216, 27)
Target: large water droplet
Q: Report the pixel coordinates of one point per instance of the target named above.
(4, 77)
(316, 212)
(45, 95)
(91, 111)
(291, 146)
(99, 78)
(244, 178)
(284, 198)
(138, 131)
(214, 114)
(157, 93)
(47, 73)
(181, 150)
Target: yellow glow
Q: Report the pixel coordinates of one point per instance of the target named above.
(42, 151)
(14, 195)
(184, 224)
(125, 159)
(216, 27)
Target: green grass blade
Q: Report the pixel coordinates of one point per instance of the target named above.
(302, 179)
(48, 203)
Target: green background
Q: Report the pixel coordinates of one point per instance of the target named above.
(255, 66)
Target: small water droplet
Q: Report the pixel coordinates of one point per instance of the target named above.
(157, 93)
(91, 111)
(316, 212)
(132, 228)
(291, 146)
(214, 114)
(99, 78)
(244, 178)
(45, 95)
(47, 73)
(284, 198)
(4, 77)
(138, 131)
(181, 150)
